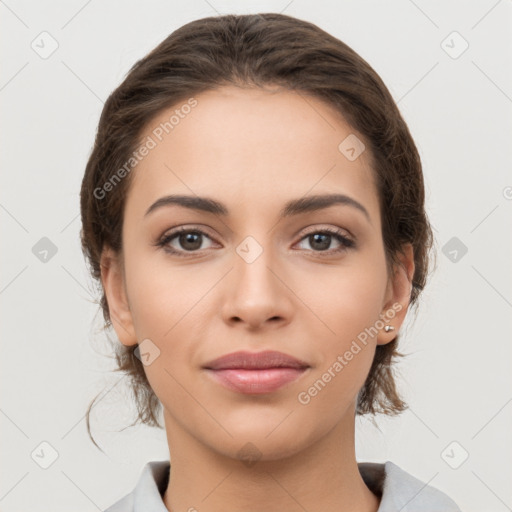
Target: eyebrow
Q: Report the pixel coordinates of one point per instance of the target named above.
(293, 207)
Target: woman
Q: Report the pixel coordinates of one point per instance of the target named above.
(253, 208)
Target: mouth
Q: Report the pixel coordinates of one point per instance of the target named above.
(255, 372)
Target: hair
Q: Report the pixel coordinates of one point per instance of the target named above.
(258, 50)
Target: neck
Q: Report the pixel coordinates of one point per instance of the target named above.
(324, 476)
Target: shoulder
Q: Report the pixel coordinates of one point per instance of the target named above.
(123, 505)
(402, 491)
(147, 494)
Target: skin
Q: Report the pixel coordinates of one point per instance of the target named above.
(254, 150)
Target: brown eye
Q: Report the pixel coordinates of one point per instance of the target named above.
(190, 241)
(321, 241)
(183, 240)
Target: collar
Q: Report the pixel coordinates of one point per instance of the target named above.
(397, 489)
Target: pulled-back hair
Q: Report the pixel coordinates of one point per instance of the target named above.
(259, 50)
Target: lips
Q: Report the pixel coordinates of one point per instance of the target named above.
(255, 372)
(255, 361)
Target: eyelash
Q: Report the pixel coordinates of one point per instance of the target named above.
(346, 243)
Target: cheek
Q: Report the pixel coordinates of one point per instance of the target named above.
(349, 304)
(161, 298)
(345, 357)
(335, 387)
(168, 307)
(347, 300)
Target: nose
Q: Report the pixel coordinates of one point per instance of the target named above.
(257, 294)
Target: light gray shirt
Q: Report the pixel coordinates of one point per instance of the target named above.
(399, 491)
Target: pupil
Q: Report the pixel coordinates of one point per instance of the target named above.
(325, 244)
(189, 239)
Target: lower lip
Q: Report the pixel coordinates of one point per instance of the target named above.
(256, 381)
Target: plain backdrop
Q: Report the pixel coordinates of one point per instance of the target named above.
(447, 64)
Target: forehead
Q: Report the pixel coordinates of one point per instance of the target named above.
(255, 148)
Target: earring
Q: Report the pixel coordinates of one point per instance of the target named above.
(388, 328)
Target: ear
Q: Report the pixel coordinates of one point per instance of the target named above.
(398, 295)
(112, 279)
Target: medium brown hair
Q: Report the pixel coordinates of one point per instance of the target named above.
(258, 50)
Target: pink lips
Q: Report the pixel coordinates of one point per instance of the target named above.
(255, 373)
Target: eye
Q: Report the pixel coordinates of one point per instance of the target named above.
(320, 240)
(187, 239)
(183, 240)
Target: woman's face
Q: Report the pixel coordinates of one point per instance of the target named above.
(258, 273)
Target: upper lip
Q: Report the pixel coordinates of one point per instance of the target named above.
(255, 361)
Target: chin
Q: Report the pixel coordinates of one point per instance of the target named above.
(265, 441)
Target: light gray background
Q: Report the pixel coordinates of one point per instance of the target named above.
(457, 378)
